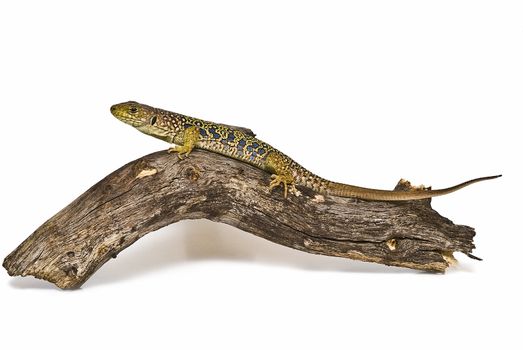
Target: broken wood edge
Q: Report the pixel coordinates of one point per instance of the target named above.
(159, 189)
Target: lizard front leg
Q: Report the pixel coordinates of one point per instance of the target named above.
(190, 138)
(279, 166)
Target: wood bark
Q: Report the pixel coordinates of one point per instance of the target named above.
(159, 189)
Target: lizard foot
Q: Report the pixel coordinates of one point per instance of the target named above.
(190, 137)
(282, 179)
(182, 151)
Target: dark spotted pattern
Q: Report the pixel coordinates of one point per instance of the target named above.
(225, 140)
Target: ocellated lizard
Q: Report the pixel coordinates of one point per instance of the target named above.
(187, 133)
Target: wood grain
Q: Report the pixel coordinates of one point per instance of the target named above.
(159, 189)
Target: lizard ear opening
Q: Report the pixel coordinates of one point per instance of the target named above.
(153, 120)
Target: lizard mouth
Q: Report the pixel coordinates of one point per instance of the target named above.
(126, 117)
(131, 121)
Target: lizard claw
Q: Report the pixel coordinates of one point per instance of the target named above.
(180, 151)
(281, 179)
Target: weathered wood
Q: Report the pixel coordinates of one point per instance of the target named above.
(159, 189)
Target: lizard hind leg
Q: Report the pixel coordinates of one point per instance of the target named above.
(282, 179)
(190, 138)
(278, 165)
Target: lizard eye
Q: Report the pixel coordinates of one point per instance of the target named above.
(153, 120)
(133, 110)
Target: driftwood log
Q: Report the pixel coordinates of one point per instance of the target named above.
(159, 189)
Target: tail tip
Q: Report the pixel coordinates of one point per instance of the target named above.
(492, 177)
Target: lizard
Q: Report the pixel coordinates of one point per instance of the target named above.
(187, 133)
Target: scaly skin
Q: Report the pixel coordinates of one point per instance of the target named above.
(187, 133)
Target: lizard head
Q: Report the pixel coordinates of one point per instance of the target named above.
(148, 120)
(133, 113)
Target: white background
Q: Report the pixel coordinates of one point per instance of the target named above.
(361, 92)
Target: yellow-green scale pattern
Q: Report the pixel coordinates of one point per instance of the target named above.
(239, 145)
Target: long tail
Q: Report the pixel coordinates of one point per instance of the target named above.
(343, 190)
